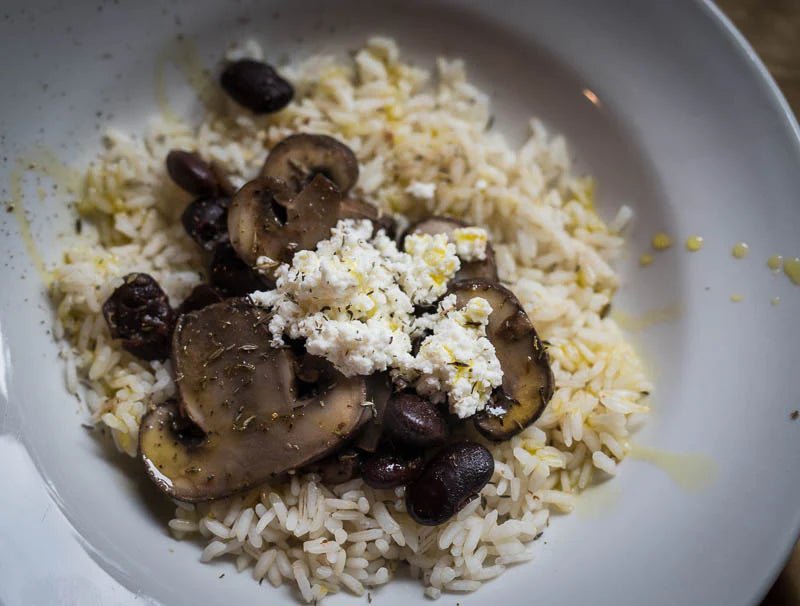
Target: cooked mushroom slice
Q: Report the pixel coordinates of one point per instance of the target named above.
(265, 220)
(299, 158)
(486, 268)
(242, 397)
(379, 390)
(527, 377)
(358, 209)
(201, 296)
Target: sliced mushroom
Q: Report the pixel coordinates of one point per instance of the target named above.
(379, 390)
(480, 268)
(299, 158)
(265, 220)
(241, 396)
(527, 378)
(353, 208)
(201, 296)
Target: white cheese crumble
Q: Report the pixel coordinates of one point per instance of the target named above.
(470, 243)
(457, 359)
(352, 300)
(432, 263)
(421, 190)
(265, 263)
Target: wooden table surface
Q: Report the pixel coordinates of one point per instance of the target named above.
(773, 29)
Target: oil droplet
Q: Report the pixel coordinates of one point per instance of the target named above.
(661, 241)
(694, 243)
(692, 472)
(791, 267)
(645, 260)
(25, 226)
(598, 500)
(634, 323)
(775, 262)
(775, 300)
(740, 250)
(44, 162)
(737, 298)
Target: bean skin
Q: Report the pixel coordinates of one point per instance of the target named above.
(139, 313)
(206, 220)
(448, 482)
(191, 173)
(414, 422)
(256, 86)
(389, 470)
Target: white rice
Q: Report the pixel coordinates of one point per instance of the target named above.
(408, 127)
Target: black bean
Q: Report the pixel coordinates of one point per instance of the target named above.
(415, 422)
(449, 481)
(201, 296)
(139, 313)
(206, 220)
(390, 470)
(256, 86)
(232, 276)
(191, 173)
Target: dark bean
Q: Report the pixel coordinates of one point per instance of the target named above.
(335, 469)
(201, 296)
(390, 470)
(191, 173)
(256, 86)
(206, 220)
(449, 481)
(139, 313)
(415, 422)
(232, 276)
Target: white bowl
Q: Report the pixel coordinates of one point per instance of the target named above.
(663, 102)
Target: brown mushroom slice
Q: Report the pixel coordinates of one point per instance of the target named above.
(241, 394)
(265, 220)
(379, 390)
(299, 158)
(353, 208)
(527, 378)
(479, 268)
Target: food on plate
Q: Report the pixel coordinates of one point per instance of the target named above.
(256, 85)
(527, 378)
(299, 158)
(464, 237)
(448, 482)
(347, 327)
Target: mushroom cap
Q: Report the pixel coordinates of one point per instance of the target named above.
(245, 403)
(266, 219)
(299, 158)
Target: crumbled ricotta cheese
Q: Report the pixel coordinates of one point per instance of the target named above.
(352, 300)
(433, 263)
(457, 359)
(265, 263)
(470, 243)
(421, 190)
